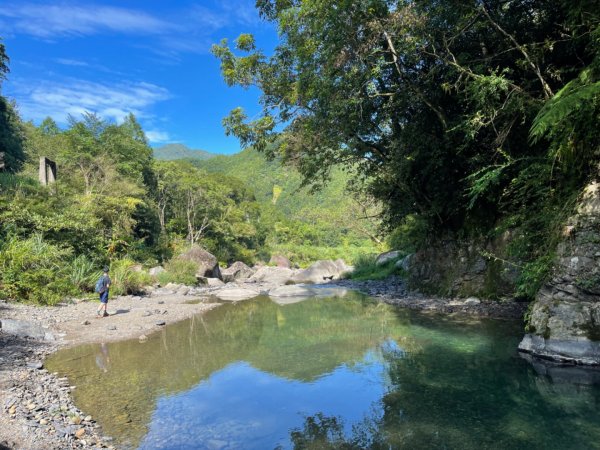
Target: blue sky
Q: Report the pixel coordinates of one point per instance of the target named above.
(148, 57)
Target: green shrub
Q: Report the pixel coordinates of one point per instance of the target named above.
(32, 270)
(179, 271)
(126, 279)
(365, 268)
(83, 273)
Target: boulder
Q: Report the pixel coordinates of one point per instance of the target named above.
(210, 282)
(22, 328)
(472, 301)
(319, 272)
(236, 272)
(208, 265)
(280, 261)
(154, 271)
(386, 257)
(405, 262)
(236, 294)
(272, 275)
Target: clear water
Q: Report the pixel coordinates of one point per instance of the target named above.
(331, 373)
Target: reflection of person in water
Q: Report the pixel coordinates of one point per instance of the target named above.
(102, 358)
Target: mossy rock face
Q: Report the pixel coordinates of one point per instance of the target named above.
(567, 307)
(461, 268)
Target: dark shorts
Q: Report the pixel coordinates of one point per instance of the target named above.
(104, 297)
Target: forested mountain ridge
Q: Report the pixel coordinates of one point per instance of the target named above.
(169, 152)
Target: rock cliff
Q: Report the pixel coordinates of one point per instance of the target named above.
(564, 323)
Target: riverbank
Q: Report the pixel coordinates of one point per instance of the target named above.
(393, 291)
(37, 408)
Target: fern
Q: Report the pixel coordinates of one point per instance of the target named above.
(577, 93)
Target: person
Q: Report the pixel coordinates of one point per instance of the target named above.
(104, 283)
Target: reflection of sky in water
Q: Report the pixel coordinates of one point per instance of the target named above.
(242, 407)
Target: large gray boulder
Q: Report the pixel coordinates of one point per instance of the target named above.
(386, 257)
(236, 294)
(319, 272)
(564, 323)
(272, 275)
(238, 271)
(23, 328)
(280, 261)
(154, 271)
(208, 265)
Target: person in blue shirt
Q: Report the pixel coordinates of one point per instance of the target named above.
(104, 283)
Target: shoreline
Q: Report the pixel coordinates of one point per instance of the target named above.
(37, 407)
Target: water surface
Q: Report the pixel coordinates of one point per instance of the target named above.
(329, 373)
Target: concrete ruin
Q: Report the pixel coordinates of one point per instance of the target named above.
(47, 173)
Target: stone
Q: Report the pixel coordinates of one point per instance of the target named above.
(210, 282)
(143, 338)
(111, 328)
(472, 301)
(85, 322)
(35, 365)
(272, 275)
(319, 272)
(146, 313)
(238, 271)
(404, 263)
(236, 294)
(208, 265)
(161, 323)
(183, 290)
(280, 261)
(154, 271)
(79, 433)
(88, 418)
(23, 328)
(43, 422)
(386, 257)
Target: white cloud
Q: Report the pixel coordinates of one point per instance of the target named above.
(181, 31)
(52, 20)
(74, 97)
(158, 137)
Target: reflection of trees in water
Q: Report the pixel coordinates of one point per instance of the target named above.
(300, 342)
(454, 395)
(321, 432)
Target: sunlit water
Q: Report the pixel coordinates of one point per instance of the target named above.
(330, 373)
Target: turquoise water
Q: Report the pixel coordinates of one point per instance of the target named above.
(331, 373)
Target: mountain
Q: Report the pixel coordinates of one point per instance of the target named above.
(179, 151)
(278, 185)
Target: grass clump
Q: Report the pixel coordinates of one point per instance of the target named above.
(179, 271)
(127, 278)
(365, 268)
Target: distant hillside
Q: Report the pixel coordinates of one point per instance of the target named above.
(179, 151)
(277, 185)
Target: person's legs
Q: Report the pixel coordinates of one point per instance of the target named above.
(103, 305)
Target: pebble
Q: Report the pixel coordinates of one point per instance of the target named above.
(111, 328)
(35, 365)
(161, 323)
(40, 403)
(85, 322)
(143, 338)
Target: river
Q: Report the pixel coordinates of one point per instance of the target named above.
(331, 373)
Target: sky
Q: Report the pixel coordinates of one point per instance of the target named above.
(148, 57)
